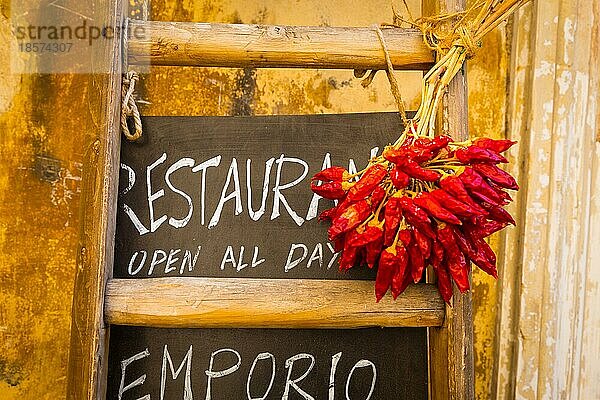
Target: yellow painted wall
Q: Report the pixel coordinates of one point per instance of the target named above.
(46, 116)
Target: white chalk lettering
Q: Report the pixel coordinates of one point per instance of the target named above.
(133, 257)
(313, 208)
(291, 264)
(171, 260)
(255, 215)
(255, 260)
(154, 224)
(158, 257)
(279, 197)
(261, 356)
(139, 381)
(374, 152)
(362, 364)
(128, 211)
(240, 265)
(213, 162)
(187, 361)
(130, 178)
(317, 255)
(335, 255)
(187, 258)
(334, 362)
(184, 162)
(217, 374)
(236, 194)
(293, 383)
(229, 256)
(352, 169)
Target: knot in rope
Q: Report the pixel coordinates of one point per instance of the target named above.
(441, 33)
(129, 106)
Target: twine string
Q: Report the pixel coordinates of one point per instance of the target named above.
(395, 87)
(129, 107)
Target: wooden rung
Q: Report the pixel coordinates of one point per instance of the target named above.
(268, 46)
(261, 303)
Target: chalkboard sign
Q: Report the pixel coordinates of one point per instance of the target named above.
(228, 364)
(229, 197)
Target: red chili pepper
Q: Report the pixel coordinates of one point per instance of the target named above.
(424, 200)
(506, 199)
(376, 197)
(486, 253)
(329, 190)
(373, 250)
(498, 213)
(402, 271)
(399, 179)
(497, 175)
(338, 243)
(497, 145)
(435, 144)
(349, 219)
(392, 218)
(360, 256)
(444, 283)
(477, 186)
(405, 237)
(437, 253)
(334, 183)
(416, 216)
(453, 205)
(423, 242)
(454, 186)
(417, 262)
(476, 154)
(483, 228)
(348, 257)
(463, 244)
(364, 235)
(485, 265)
(470, 250)
(329, 214)
(483, 256)
(414, 170)
(368, 181)
(336, 174)
(400, 283)
(457, 264)
(418, 155)
(385, 271)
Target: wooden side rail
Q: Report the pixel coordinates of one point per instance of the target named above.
(262, 303)
(269, 46)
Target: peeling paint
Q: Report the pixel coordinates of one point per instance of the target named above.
(544, 180)
(564, 81)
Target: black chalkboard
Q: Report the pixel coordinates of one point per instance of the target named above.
(390, 362)
(177, 177)
(192, 236)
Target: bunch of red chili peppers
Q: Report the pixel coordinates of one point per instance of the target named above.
(425, 201)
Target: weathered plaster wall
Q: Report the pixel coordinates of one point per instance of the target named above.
(47, 115)
(38, 226)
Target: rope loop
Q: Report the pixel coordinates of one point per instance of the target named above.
(129, 107)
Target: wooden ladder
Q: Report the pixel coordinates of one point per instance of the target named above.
(100, 301)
